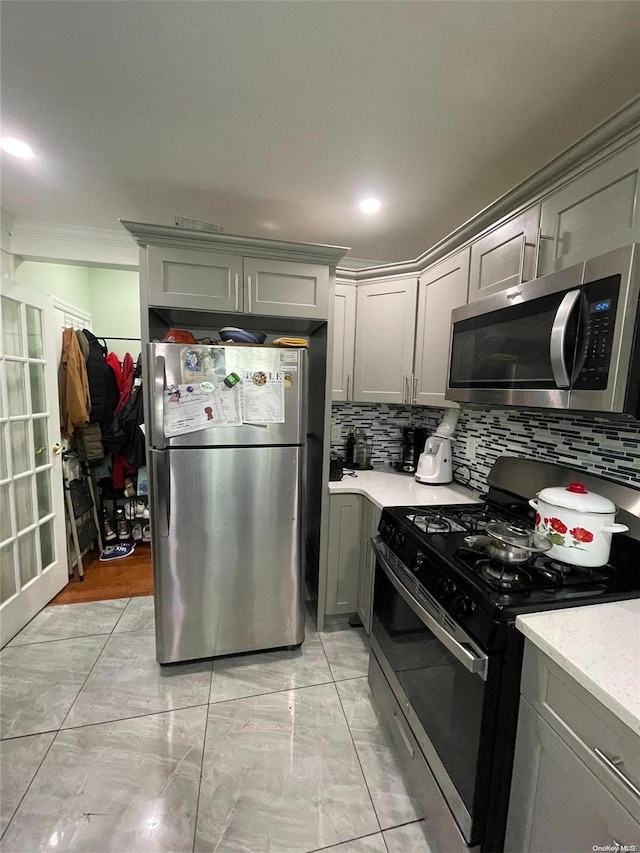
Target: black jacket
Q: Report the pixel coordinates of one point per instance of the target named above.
(103, 385)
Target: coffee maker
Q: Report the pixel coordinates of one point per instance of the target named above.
(413, 440)
(435, 463)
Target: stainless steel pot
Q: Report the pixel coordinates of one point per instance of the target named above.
(509, 543)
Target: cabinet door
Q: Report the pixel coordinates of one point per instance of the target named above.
(597, 212)
(286, 288)
(557, 804)
(370, 521)
(441, 288)
(504, 257)
(344, 553)
(184, 278)
(344, 333)
(385, 329)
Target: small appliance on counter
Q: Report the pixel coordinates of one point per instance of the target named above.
(413, 441)
(434, 465)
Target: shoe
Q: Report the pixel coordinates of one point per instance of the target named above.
(136, 531)
(130, 510)
(140, 508)
(146, 533)
(114, 552)
(109, 533)
(129, 488)
(123, 529)
(145, 514)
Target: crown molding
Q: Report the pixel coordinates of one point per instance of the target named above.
(37, 239)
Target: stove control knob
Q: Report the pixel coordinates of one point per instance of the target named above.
(462, 606)
(418, 561)
(444, 588)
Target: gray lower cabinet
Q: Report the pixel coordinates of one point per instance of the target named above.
(343, 559)
(369, 525)
(385, 329)
(344, 334)
(219, 281)
(595, 213)
(441, 288)
(575, 769)
(505, 256)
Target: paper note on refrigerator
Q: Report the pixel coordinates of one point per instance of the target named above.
(262, 397)
(192, 407)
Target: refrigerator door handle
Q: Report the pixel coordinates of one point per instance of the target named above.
(163, 492)
(157, 418)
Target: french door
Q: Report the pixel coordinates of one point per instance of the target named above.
(33, 558)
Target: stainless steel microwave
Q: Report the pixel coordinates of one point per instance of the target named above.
(569, 340)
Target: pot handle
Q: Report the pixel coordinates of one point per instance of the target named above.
(614, 528)
(533, 504)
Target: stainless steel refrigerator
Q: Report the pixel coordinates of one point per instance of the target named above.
(226, 506)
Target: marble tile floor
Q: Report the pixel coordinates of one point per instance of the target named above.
(104, 750)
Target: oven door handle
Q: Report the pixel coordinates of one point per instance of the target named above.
(477, 664)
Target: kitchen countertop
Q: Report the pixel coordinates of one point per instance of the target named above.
(598, 646)
(389, 488)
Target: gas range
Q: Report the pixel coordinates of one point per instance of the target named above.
(434, 550)
(446, 656)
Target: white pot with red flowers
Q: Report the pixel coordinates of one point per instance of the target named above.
(578, 523)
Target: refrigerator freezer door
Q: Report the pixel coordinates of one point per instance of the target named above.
(227, 552)
(166, 363)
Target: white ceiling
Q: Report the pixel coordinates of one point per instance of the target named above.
(276, 118)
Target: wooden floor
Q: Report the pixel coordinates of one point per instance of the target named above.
(122, 578)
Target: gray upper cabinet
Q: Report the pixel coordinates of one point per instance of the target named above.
(286, 288)
(344, 333)
(441, 288)
(188, 278)
(386, 313)
(220, 281)
(595, 213)
(505, 256)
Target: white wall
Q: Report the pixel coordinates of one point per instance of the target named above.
(111, 297)
(66, 281)
(115, 306)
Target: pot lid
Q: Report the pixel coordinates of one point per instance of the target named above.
(520, 537)
(575, 496)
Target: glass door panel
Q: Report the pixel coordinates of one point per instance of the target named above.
(7, 573)
(32, 527)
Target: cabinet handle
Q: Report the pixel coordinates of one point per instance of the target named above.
(414, 389)
(249, 292)
(348, 386)
(612, 764)
(536, 260)
(523, 252)
(405, 389)
(403, 735)
(237, 286)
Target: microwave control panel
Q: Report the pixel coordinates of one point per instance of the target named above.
(599, 303)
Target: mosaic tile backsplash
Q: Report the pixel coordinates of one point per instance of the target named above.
(608, 448)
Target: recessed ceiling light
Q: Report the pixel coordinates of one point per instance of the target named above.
(370, 205)
(17, 147)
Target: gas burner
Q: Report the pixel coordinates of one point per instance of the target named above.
(436, 522)
(505, 577)
(565, 575)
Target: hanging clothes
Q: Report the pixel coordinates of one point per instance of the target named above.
(75, 402)
(127, 381)
(103, 386)
(114, 363)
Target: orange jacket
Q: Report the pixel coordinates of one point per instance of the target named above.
(75, 403)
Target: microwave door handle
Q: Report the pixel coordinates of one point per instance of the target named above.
(558, 339)
(158, 440)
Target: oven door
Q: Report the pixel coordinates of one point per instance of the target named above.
(438, 675)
